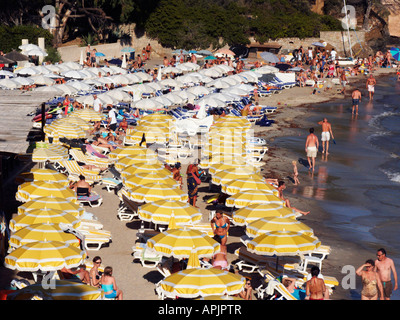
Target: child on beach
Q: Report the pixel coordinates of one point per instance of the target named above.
(295, 173)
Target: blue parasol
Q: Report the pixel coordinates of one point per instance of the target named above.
(100, 54)
(210, 58)
(269, 57)
(395, 52)
(128, 49)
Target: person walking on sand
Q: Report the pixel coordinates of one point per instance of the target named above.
(356, 96)
(384, 266)
(343, 81)
(370, 85)
(326, 134)
(312, 145)
(370, 280)
(295, 173)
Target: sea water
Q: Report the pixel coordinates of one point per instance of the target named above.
(358, 183)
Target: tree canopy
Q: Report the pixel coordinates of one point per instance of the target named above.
(189, 24)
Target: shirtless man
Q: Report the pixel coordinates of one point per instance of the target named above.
(384, 266)
(326, 134)
(356, 96)
(312, 145)
(343, 81)
(370, 85)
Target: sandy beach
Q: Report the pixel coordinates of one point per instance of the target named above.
(138, 283)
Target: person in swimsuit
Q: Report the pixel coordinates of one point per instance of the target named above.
(94, 273)
(356, 96)
(109, 285)
(326, 134)
(312, 145)
(219, 260)
(193, 181)
(176, 174)
(220, 226)
(384, 266)
(315, 287)
(371, 82)
(82, 188)
(370, 280)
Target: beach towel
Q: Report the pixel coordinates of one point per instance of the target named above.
(91, 198)
(93, 152)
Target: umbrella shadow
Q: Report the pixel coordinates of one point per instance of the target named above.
(153, 276)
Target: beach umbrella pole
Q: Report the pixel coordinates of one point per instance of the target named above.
(43, 120)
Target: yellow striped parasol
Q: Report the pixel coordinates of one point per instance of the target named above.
(42, 175)
(156, 191)
(44, 154)
(45, 256)
(270, 224)
(35, 189)
(214, 168)
(38, 216)
(157, 116)
(201, 282)
(87, 115)
(222, 298)
(128, 151)
(152, 133)
(159, 212)
(249, 197)
(136, 160)
(42, 232)
(257, 211)
(138, 179)
(143, 167)
(64, 130)
(62, 290)
(179, 243)
(283, 243)
(51, 202)
(81, 123)
(193, 261)
(225, 176)
(251, 182)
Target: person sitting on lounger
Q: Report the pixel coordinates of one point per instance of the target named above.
(82, 187)
(219, 260)
(176, 173)
(103, 143)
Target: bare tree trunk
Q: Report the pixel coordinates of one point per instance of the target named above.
(366, 16)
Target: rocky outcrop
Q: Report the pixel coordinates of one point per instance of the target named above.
(393, 20)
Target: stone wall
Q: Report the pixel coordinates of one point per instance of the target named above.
(338, 39)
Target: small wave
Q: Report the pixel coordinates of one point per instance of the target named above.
(392, 175)
(375, 121)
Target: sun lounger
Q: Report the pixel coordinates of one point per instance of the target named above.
(94, 200)
(95, 239)
(127, 209)
(74, 170)
(274, 290)
(79, 156)
(147, 257)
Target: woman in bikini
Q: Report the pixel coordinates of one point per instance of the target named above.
(370, 280)
(220, 226)
(315, 287)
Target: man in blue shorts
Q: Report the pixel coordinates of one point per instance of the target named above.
(356, 96)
